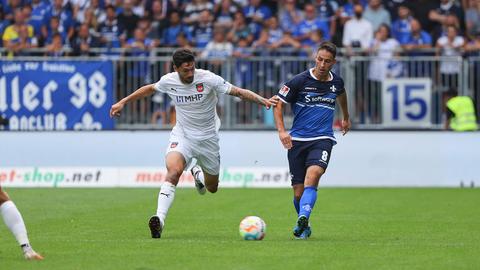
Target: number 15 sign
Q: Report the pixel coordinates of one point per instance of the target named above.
(406, 103)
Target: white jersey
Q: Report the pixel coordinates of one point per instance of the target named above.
(195, 103)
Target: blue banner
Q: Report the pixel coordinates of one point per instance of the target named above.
(56, 95)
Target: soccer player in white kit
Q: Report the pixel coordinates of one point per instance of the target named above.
(195, 135)
(14, 221)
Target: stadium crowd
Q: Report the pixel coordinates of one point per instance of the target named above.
(244, 28)
(221, 28)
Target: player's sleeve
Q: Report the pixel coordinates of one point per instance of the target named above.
(219, 84)
(288, 92)
(160, 86)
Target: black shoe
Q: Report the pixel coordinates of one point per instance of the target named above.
(155, 227)
(302, 225)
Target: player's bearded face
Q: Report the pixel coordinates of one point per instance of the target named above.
(186, 71)
(324, 62)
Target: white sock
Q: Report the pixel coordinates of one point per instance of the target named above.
(165, 199)
(14, 221)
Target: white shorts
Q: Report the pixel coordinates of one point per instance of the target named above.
(206, 152)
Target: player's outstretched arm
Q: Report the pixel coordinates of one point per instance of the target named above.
(283, 135)
(246, 94)
(144, 91)
(342, 99)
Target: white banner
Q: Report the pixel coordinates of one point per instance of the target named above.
(134, 177)
(406, 103)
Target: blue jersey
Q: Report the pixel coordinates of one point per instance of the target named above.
(313, 105)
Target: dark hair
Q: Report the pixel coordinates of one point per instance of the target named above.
(389, 31)
(452, 92)
(181, 56)
(329, 47)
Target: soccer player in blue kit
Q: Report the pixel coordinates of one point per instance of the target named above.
(312, 95)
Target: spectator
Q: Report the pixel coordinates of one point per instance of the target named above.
(243, 67)
(218, 47)
(472, 18)
(310, 24)
(183, 42)
(376, 14)
(79, 7)
(358, 32)
(421, 10)
(110, 31)
(450, 20)
(194, 9)
(138, 8)
(240, 30)
(3, 26)
(83, 42)
(418, 39)
(55, 48)
(26, 40)
(346, 11)
(472, 48)
(203, 31)
(54, 27)
(145, 26)
(127, 20)
(443, 16)
(460, 112)
(19, 35)
(99, 12)
(164, 10)
(9, 8)
(158, 21)
(326, 12)
(65, 16)
(174, 28)
(290, 16)
(256, 14)
(225, 13)
(401, 27)
(381, 67)
(419, 43)
(392, 7)
(38, 18)
(449, 47)
(140, 45)
(91, 21)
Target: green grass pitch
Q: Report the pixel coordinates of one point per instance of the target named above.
(353, 228)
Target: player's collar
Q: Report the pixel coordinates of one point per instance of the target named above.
(313, 75)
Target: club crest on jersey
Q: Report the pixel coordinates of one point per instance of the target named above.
(199, 87)
(333, 88)
(173, 144)
(284, 91)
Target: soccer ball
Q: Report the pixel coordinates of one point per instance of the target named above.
(252, 228)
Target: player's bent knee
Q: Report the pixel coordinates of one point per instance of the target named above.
(173, 176)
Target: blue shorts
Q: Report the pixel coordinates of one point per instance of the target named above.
(307, 153)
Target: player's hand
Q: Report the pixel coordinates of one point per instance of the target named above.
(268, 103)
(274, 100)
(346, 126)
(286, 139)
(116, 109)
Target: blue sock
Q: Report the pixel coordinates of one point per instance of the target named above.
(307, 201)
(296, 204)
